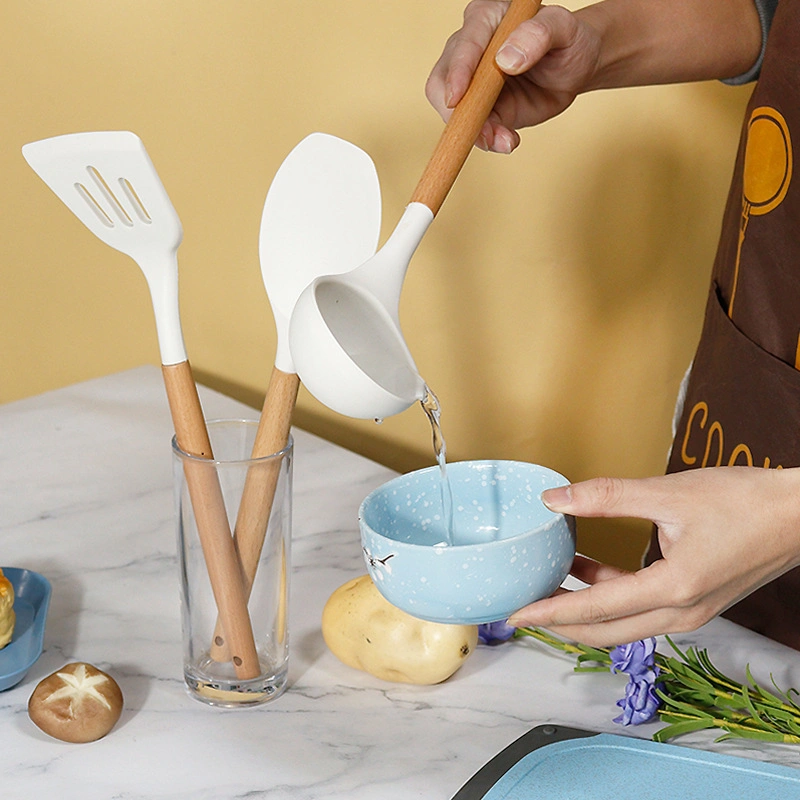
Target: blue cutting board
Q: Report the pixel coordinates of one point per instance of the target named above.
(556, 763)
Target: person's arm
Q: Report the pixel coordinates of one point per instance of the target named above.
(766, 11)
(560, 54)
(672, 41)
(723, 532)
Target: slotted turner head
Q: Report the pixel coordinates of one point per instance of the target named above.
(106, 178)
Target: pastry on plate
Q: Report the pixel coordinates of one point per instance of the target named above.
(7, 616)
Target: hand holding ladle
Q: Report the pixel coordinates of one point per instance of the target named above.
(344, 333)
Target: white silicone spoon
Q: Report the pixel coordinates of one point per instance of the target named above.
(322, 214)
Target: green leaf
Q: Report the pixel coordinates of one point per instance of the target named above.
(584, 657)
(710, 669)
(787, 695)
(681, 728)
(696, 682)
(675, 648)
(763, 693)
(692, 659)
(686, 673)
(726, 701)
(757, 718)
(761, 736)
(729, 714)
(691, 710)
(601, 656)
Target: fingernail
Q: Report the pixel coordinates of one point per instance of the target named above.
(516, 622)
(503, 144)
(448, 96)
(510, 58)
(557, 499)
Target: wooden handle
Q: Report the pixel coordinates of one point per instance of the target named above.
(469, 115)
(212, 521)
(259, 488)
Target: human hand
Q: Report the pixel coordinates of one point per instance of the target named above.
(723, 532)
(551, 58)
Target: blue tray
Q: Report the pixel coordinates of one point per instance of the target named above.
(31, 600)
(560, 763)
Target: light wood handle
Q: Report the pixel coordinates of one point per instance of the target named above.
(468, 116)
(212, 522)
(259, 488)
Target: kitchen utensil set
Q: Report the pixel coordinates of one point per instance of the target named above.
(337, 330)
(323, 209)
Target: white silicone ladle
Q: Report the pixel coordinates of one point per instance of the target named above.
(322, 214)
(106, 178)
(344, 333)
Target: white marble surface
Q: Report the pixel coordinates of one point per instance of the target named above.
(86, 499)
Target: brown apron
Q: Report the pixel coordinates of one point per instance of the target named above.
(742, 404)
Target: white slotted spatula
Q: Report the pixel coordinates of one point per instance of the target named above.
(109, 182)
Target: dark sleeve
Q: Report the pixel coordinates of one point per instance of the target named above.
(766, 10)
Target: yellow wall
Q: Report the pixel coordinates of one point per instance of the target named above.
(553, 306)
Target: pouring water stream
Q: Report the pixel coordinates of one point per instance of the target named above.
(433, 411)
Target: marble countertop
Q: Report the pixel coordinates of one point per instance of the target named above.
(86, 499)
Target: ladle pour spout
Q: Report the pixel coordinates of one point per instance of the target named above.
(344, 335)
(345, 331)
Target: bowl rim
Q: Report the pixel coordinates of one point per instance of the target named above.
(543, 528)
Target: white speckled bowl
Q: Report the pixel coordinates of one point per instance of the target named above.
(509, 550)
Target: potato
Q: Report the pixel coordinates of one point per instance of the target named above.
(365, 631)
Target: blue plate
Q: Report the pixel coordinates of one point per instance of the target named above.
(558, 763)
(31, 600)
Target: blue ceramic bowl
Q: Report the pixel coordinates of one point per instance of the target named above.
(508, 548)
(31, 601)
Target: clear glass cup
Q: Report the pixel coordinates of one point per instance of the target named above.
(256, 494)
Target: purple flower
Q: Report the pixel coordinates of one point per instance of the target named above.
(493, 633)
(636, 659)
(641, 702)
